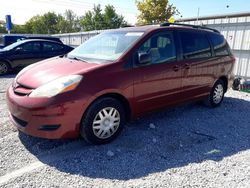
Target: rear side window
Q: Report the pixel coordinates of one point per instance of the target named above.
(195, 45)
(49, 46)
(220, 45)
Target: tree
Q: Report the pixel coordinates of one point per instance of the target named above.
(50, 21)
(98, 17)
(155, 11)
(36, 25)
(70, 23)
(112, 19)
(62, 25)
(96, 20)
(87, 21)
(18, 29)
(2, 27)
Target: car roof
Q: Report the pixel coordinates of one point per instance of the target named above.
(27, 35)
(40, 40)
(149, 28)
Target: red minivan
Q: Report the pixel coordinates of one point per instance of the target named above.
(118, 75)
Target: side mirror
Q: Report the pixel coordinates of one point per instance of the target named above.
(144, 58)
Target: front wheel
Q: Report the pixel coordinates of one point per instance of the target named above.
(103, 121)
(4, 68)
(216, 95)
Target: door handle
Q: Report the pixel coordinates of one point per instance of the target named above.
(176, 68)
(187, 66)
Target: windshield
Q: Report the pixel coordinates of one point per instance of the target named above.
(13, 45)
(106, 46)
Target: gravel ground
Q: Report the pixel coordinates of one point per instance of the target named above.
(186, 146)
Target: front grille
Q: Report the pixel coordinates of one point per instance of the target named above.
(19, 121)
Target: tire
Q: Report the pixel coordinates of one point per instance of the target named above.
(216, 95)
(103, 121)
(4, 68)
(236, 84)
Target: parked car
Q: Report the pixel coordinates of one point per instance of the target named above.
(26, 52)
(8, 39)
(119, 75)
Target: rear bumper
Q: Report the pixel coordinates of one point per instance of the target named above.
(43, 118)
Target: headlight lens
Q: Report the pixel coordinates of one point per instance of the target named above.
(60, 85)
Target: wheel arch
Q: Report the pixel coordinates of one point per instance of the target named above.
(124, 101)
(225, 81)
(7, 61)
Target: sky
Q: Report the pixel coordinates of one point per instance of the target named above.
(22, 10)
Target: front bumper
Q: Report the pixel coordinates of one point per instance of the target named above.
(44, 117)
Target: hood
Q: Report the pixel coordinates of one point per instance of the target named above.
(4, 51)
(45, 71)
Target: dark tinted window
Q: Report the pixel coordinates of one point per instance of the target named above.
(30, 47)
(160, 47)
(1, 40)
(220, 45)
(49, 46)
(195, 45)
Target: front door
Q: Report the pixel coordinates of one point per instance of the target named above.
(157, 83)
(26, 54)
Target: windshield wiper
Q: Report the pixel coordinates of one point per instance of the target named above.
(77, 59)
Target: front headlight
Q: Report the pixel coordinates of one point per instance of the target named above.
(57, 86)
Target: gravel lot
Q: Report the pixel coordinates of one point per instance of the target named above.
(186, 146)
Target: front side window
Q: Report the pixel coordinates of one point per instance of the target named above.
(106, 46)
(161, 48)
(195, 45)
(30, 47)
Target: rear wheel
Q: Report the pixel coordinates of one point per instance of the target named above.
(216, 95)
(4, 68)
(103, 121)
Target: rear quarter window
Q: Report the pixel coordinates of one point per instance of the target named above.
(195, 45)
(221, 48)
(49, 46)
